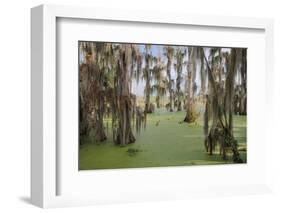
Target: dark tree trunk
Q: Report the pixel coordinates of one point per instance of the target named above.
(202, 73)
(179, 105)
(125, 135)
(221, 131)
(158, 101)
(243, 102)
(206, 123)
(124, 105)
(99, 125)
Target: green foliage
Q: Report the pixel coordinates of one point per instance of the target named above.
(133, 151)
(170, 143)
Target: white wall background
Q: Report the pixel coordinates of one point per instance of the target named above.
(15, 104)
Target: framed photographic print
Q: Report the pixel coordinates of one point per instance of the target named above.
(130, 106)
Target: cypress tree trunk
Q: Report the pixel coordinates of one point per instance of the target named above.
(206, 123)
(202, 73)
(170, 85)
(124, 134)
(191, 69)
(222, 111)
(99, 125)
(91, 102)
(147, 76)
(243, 103)
(158, 101)
(169, 54)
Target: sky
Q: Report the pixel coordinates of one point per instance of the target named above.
(158, 51)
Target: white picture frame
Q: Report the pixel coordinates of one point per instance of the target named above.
(44, 155)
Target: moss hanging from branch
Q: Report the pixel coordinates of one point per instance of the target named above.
(179, 57)
(169, 53)
(92, 88)
(191, 114)
(221, 132)
(124, 104)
